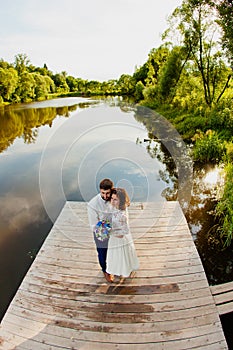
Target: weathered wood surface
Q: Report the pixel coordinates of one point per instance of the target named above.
(223, 296)
(65, 303)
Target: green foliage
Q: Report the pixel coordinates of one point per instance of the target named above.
(170, 74)
(225, 9)
(21, 63)
(26, 86)
(141, 73)
(126, 84)
(138, 94)
(156, 60)
(196, 23)
(188, 124)
(150, 94)
(208, 147)
(189, 94)
(8, 82)
(224, 208)
(221, 120)
(60, 83)
(72, 83)
(44, 85)
(229, 152)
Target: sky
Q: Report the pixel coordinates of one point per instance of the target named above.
(88, 39)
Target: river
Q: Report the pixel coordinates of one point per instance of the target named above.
(59, 150)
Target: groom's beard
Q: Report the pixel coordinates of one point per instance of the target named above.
(106, 200)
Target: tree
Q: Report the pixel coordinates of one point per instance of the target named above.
(21, 63)
(157, 58)
(81, 85)
(43, 85)
(8, 82)
(225, 9)
(93, 87)
(198, 27)
(26, 87)
(126, 84)
(171, 72)
(41, 70)
(60, 82)
(72, 83)
(4, 64)
(109, 87)
(141, 73)
(139, 91)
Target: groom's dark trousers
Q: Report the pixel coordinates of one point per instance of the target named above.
(102, 248)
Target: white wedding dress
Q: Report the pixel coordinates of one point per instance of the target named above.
(121, 256)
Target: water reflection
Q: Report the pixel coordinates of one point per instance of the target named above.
(25, 120)
(174, 148)
(99, 143)
(59, 150)
(207, 185)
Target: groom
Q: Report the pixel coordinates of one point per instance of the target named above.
(98, 208)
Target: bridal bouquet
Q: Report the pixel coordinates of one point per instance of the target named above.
(102, 230)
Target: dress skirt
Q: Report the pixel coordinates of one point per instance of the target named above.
(121, 256)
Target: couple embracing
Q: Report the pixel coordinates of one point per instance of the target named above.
(117, 255)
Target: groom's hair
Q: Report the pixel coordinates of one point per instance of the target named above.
(106, 184)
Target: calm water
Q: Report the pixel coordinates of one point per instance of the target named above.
(59, 150)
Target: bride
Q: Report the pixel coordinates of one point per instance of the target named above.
(122, 258)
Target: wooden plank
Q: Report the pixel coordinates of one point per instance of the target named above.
(27, 299)
(60, 291)
(222, 288)
(122, 298)
(64, 301)
(148, 327)
(52, 336)
(223, 297)
(52, 332)
(155, 238)
(142, 273)
(166, 264)
(89, 281)
(225, 308)
(43, 316)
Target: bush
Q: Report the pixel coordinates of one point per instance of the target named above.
(222, 119)
(208, 147)
(229, 152)
(224, 208)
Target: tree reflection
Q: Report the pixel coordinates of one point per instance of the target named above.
(25, 122)
(165, 143)
(169, 174)
(217, 261)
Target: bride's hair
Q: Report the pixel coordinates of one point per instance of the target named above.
(124, 200)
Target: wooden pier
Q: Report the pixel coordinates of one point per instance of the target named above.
(64, 302)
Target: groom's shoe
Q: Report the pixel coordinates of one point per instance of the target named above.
(108, 277)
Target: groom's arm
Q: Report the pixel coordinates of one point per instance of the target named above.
(93, 215)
